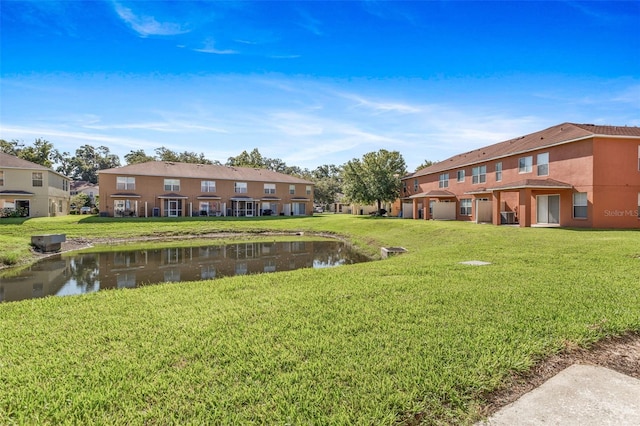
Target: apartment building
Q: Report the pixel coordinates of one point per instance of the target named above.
(169, 189)
(30, 190)
(569, 175)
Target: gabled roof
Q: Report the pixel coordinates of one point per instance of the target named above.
(13, 162)
(562, 133)
(203, 171)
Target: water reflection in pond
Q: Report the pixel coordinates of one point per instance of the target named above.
(79, 273)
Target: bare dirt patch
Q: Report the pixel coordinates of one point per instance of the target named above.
(621, 354)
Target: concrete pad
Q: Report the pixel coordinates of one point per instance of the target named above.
(582, 395)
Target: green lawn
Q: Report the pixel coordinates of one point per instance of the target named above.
(372, 343)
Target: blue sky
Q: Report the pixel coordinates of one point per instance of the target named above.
(313, 82)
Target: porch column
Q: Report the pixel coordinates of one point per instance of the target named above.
(495, 213)
(415, 208)
(524, 208)
(425, 208)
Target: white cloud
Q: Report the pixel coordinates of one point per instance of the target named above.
(209, 47)
(147, 25)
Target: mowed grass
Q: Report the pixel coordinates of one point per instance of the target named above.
(415, 336)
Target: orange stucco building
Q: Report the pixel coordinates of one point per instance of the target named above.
(571, 175)
(169, 189)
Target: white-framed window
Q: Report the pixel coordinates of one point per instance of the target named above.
(125, 182)
(36, 179)
(579, 205)
(499, 171)
(1, 177)
(292, 189)
(525, 164)
(172, 184)
(59, 206)
(415, 185)
(65, 185)
(240, 187)
(444, 180)
(308, 189)
(479, 174)
(465, 207)
(639, 159)
(208, 186)
(638, 205)
(542, 162)
(269, 188)
(460, 175)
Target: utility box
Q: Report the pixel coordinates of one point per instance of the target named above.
(49, 243)
(386, 252)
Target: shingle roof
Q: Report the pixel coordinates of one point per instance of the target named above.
(561, 133)
(203, 171)
(11, 161)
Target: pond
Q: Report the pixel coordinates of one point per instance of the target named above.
(78, 273)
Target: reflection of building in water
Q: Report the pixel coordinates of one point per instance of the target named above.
(85, 273)
(135, 268)
(41, 279)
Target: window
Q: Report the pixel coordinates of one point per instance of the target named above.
(292, 189)
(124, 182)
(499, 171)
(308, 189)
(172, 184)
(525, 164)
(269, 188)
(479, 174)
(65, 185)
(415, 185)
(59, 206)
(579, 205)
(638, 205)
(543, 164)
(208, 186)
(404, 186)
(460, 175)
(1, 178)
(240, 187)
(36, 179)
(444, 180)
(465, 207)
(638, 157)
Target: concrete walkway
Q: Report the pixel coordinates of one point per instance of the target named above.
(582, 395)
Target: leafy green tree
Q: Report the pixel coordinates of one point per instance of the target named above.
(12, 148)
(165, 154)
(89, 160)
(138, 156)
(328, 184)
(245, 159)
(425, 164)
(80, 200)
(375, 178)
(41, 152)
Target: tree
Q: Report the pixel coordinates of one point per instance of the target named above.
(375, 178)
(138, 156)
(89, 160)
(41, 152)
(80, 200)
(328, 184)
(425, 164)
(165, 154)
(245, 159)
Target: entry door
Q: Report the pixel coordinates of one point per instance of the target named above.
(172, 211)
(249, 210)
(548, 207)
